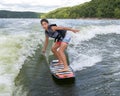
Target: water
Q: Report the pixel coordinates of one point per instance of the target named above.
(17, 42)
(94, 55)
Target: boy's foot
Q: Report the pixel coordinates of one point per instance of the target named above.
(64, 70)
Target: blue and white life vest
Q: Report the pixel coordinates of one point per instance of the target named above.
(58, 35)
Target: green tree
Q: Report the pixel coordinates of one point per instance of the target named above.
(117, 13)
(92, 9)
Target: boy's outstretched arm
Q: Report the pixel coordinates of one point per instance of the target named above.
(54, 28)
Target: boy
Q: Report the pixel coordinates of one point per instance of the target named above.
(62, 38)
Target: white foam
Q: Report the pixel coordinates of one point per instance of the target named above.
(14, 51)
(87, 33)
(85, 61)
(91, 31)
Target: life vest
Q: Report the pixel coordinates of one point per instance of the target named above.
(58, 35)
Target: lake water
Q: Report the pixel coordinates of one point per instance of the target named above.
(94, 55)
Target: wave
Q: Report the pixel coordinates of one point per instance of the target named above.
(83, 42)
(14, 51)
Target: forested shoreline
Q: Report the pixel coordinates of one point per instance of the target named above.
(15, 14)
(92, 9)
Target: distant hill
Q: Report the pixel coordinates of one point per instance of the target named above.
(15, 14)
(92, 9)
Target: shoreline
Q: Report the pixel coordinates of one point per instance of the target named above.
(70, 18)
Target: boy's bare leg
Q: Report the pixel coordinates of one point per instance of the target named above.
(63, 46)
(54, 50)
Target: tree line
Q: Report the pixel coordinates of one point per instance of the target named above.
(13, 14)
(92, 9)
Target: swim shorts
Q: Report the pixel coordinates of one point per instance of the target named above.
(66, 39)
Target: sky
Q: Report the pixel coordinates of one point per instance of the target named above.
(37, 5)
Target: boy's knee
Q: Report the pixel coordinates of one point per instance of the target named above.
(53, 49)
(60, 51)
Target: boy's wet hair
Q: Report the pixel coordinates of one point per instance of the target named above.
(44, 20)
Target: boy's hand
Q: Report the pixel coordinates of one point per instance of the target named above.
(75, 31)
(43, 50)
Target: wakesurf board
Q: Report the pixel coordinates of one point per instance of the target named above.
(60, 75)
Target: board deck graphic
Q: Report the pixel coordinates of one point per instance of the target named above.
(60, 75)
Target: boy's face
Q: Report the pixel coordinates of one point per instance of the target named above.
(45, 25)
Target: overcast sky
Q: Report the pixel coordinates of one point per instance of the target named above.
(37, 5)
